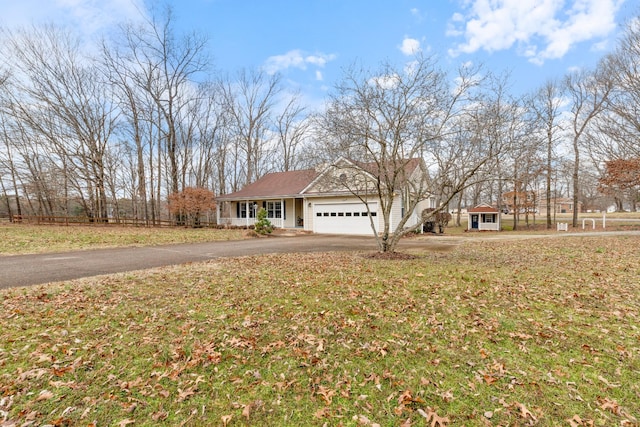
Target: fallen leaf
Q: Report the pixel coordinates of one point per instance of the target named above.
(44, 395)
(436, 421)
(610, 405)
(226, 419)
(246, 412)
(524, 412)
(248, 409)
(447, 396)
(326, 393)
(184, 395)
(323, 412)
(576, 421)
(159, 416)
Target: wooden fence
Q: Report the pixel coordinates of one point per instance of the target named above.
(121, 221)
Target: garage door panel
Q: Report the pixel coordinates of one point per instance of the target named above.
(344, 218)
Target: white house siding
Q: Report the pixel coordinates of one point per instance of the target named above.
(396, 214)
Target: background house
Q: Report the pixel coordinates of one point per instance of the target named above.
(558, 205)
(519, 201)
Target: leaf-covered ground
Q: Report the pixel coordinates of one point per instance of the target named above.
(533, 332)
(29, 239)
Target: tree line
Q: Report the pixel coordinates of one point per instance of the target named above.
(117, 127)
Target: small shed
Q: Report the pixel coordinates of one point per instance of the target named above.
(484, 218)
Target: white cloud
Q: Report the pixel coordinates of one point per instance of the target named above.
(296, 59)
(86, 17)
(601, 46)
(409, 46)
(415, 12)
(539, 29)
(319, 76)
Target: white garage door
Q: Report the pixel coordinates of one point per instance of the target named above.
(344, 218)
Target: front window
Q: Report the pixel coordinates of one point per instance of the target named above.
(489, 218)
(246, 209)
(274, 209)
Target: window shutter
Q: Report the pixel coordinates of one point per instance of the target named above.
(284, 211)
(237, 209)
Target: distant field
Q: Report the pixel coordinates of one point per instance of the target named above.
(542, 332)
(28, 239)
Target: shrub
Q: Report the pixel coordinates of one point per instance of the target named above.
(263, 225)
(189, 204)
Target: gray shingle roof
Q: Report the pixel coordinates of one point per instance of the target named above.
(275, 185)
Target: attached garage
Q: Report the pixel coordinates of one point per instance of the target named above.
(344, 218)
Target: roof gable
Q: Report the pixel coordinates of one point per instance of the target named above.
(332, 178)
(483, 208)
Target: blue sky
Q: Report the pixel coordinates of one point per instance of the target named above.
(311, 41)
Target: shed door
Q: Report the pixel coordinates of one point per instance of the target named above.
(474, 221)
(344, 218)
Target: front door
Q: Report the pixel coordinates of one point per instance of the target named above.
(474, 222)
(299, 209)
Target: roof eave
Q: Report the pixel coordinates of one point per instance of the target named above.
(259, 197)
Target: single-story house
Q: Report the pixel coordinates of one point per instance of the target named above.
(321, 200)
(484, 217)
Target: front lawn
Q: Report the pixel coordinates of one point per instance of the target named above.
(31, 239)
(529, 332)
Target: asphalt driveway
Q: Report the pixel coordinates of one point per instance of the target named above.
(25, 270)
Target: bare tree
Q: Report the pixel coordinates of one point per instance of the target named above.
(588, 93)
(59, 97)
(392, 117)
(292, 128)
(250, 102)
(122, 73)
(154, 70)
(545, 105)
(621, 124)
